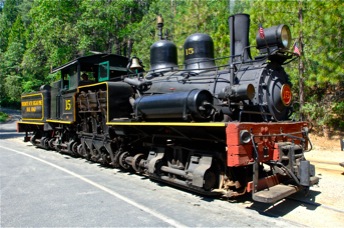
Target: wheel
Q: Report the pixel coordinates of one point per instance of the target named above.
(209, 180)
(122, 161)
(81, 150)
(136, 163)
(45, 143)
(72, 148)
(33, 140)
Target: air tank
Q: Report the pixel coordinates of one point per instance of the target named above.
(194, 104)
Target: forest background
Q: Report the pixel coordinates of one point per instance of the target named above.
(38, 35)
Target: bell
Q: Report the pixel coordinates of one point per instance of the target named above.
(135, 64)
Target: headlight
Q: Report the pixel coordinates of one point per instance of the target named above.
(285, 36)
(275, 37)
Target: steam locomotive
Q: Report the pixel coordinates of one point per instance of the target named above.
(213, 130)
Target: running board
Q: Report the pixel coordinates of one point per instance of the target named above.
(274, 193)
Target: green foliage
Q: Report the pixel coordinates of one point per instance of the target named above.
(31, 86)
(3, 117)
(322, 113)
(338, 115)
(316, 114)
(8, 16)
(53, 30)
(103, 26)
(13, 87)
(324, 52)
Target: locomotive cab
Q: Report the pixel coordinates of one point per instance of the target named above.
(98, 68)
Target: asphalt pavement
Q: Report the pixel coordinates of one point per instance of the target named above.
(42, 188)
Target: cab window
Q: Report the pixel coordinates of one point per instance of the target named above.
(70, 78)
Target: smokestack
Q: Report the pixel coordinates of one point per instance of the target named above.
(239, 25)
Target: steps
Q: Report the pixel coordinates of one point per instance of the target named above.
(275, 193)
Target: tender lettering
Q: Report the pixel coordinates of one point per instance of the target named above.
(32, 103)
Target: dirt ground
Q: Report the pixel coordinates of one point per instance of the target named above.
(326, 156)
(331, 143)
(326, 151)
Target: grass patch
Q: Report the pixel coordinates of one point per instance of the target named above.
(3, 117)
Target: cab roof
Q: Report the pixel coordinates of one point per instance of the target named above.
(95, 59)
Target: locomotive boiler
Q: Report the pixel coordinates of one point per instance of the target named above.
(214, 130)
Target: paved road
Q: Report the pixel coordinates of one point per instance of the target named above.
(8, 128)
(41, 188)
(45, 189)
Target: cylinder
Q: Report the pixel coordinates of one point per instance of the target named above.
(242, 92)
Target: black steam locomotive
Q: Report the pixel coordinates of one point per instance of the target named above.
(214, 130)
